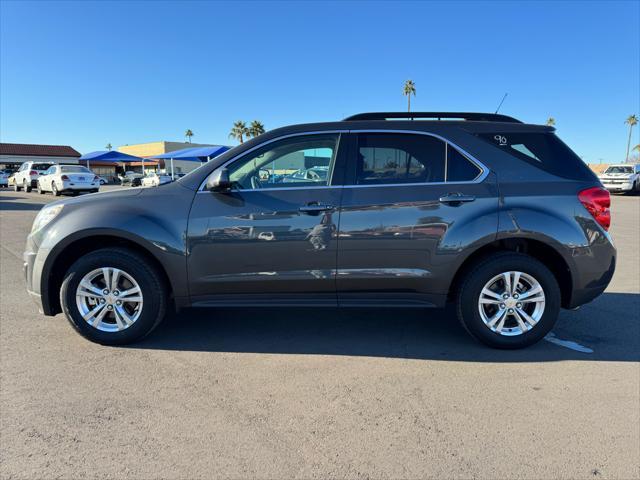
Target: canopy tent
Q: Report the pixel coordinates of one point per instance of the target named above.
(113, 156)
(193, 154)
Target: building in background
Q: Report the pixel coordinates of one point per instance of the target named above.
(152, 149)
(12, 155)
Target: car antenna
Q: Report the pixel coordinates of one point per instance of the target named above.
(501, 101)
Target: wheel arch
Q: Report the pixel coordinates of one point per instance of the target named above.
(64, 254)
(541, 251)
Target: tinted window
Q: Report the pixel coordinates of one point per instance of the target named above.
(459, 167)
(292, 162)
(544, 150)
(40, 166)
(73, 168)
(619, 169)
(399, 158)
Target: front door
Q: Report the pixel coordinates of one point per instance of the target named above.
(272, 239)
(411, 204)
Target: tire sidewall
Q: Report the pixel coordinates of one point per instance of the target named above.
(152, 291)
(472, 287)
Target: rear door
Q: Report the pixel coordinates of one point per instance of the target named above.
(413, 205)
(272, 239)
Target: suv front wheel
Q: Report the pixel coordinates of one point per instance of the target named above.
(509, 300)
(113, 296)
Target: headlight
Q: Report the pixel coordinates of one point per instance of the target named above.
(45, 216)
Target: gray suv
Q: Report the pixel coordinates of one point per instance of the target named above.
(496, 216)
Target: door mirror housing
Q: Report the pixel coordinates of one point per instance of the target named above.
(219, 181)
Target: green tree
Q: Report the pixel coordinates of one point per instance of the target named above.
(255, 128)
(551, 122)
(408, 90)
(188, 134)
(239, 131)
(108, 146)
(632, 121)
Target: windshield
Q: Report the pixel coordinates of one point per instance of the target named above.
(40, 166)
(619, 169)
(74, 169)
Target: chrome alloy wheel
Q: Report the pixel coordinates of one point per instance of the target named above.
(511, 303)
(109, 299)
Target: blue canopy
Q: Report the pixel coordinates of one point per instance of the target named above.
(110, 156)
(195, 154)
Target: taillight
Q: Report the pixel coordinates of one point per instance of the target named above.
(64, 177)
(33, 172)
(597, 201)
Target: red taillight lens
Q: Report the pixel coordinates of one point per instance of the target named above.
(33, 172)
(64, 177)
(597, 201)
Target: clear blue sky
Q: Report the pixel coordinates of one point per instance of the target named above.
(89, 73)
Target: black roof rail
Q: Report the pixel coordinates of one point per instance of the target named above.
(478, 117)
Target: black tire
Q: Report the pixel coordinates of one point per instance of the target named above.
(154, 292)
(40, 190)
(54, 189)
(26, 186)
(16, 188)
(468, 295)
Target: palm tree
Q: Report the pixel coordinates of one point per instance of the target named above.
(551, 121)
(108, 146)
(188, 134)
(239, 131)
(256, 128)
(408, 90)
(632, 120)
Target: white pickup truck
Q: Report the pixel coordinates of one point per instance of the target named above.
(621, 178)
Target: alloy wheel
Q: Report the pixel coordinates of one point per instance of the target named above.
(109, 299)
(511, 303)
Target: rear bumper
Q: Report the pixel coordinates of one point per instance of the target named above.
(618, 187)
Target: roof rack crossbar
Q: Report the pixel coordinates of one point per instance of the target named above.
(478, 117)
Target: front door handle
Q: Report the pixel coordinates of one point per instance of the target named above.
(315, 208)
(456, 197)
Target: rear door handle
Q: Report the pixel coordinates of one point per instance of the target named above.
(456, 198)
(315, 207)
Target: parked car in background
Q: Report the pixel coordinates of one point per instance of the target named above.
(102, 180)
(131, 178)
(498, 218)
(153, 179)
(621, 178)
(74, 179)
(27, 175)
(4, 177)
(314, 174)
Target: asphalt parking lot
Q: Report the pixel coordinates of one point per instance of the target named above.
(319, 394)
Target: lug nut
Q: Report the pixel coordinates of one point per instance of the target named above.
(116, 293)
(515, 295)
(519, 305)
(505, 296)
(511, 310)
(118, 303)
(102, 300)
(109, 307)
(105, 291)
(502, 305)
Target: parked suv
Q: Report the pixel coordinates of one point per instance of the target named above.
(493, 215)
(27, 175)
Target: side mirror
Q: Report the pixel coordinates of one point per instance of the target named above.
(219, 181)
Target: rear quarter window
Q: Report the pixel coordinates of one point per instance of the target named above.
(542, 149)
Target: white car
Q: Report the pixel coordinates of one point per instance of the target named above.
(621, 178)
(68, 179)
(153, 179)
(27, 175)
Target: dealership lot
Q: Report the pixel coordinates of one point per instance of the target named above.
(319, 393)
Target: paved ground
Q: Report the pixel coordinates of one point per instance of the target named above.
(255, 393)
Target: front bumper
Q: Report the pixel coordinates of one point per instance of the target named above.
(618, 187)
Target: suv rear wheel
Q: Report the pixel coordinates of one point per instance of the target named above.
(113, 296)
(509, 300)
